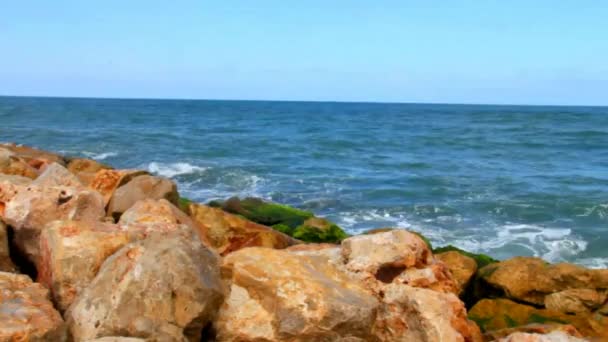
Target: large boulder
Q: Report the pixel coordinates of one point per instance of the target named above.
(6, 264)
(107, 181)
(26, 314)
(31, 208)
(535, 328)
(56, 175)
(305, 292)
(85, 169)
(227, 233)
(151, 212)
(496, 314)
(462, 267)
(278, 296)
(140, 188)
(71, 253)
(165, 285)
(530, 280)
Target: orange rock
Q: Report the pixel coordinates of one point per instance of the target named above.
(56, 175)
(29, 211)
(461, 266)
(10, 164)
(26, 314)
(107, 181)
(6, 264)
(227, 233)
(35, 157)
(78, 165)
(140, 188)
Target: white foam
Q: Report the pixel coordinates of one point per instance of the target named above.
(174, 169)
(100, 156)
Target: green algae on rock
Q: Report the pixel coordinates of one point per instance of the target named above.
(300, 224)
(481, 259)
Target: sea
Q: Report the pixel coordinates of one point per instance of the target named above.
(502, 180)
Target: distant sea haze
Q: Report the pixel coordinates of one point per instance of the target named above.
(505, 180)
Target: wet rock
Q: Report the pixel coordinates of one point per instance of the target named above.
(26, 314)
(227, 233)
(6, 264)
(56, 175)
(33, 207)
(496, 314)
(165, 285)
(107, 181)
(316, 229)
(556, 336)
(278, 296)
(530, 280)
(462, 268)
(140, 188)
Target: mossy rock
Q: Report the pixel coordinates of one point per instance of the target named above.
(300, 224)
(184, 204)
(497, 314)
(263, 212)
(319, 230)
(481, 259)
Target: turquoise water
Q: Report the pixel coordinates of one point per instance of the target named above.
(506, 180)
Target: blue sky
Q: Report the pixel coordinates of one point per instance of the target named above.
(522, 52)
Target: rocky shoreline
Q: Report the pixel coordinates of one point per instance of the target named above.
(92, 253)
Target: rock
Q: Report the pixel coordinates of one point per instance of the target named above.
(10, 164)
(496, 314)
(72, 252)
(396, 256)
(576, 300)
(556, 336)
(461, 266)
(418, 314)
(33, 207)
(15, 180)
(56, 175)
(140, 188)
(26, 314)
(317, 229)
(481, 259)
(265, 213)
(107, 181)
(6, 264)
(278, 296)
(533, 329)
(164, 285)
(118, 339)
(227, 233)
(160, 212)
(530, 280)
(78, 165)
(34, 157)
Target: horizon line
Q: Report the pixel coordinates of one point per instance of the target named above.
(295, 101)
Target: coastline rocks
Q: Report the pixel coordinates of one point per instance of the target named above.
(316, 229)
(33, 207)
(56, 175)
(496, 314)
(530, 279)
(35, 157)
(6, 264)
(140, 188)
(227, 233)
(106, 181)
(156, 212)
(166, 285)
(278, 296)
(461, 266)
(26, 314)
(535, 328)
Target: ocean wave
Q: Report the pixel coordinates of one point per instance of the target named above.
(174, 169)
(100, 156)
